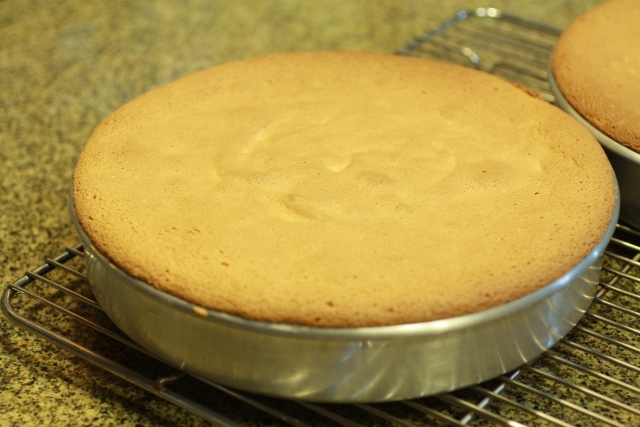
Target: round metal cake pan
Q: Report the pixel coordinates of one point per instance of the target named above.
(625, 161)
(370, 364)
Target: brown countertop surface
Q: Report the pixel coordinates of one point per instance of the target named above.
(65, 65)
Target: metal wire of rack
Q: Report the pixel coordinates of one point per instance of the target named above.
(495, 42)
(591, 377)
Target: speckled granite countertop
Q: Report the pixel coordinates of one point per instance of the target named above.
(65, 65)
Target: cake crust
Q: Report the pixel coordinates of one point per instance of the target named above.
(596, 64)
(343, 189)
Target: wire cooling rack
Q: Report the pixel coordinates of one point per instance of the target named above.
(488, 39)
(590, 378)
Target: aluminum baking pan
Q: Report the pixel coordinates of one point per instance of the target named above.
(350, 364)
(625, 161)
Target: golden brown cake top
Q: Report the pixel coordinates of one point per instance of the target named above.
(343, 189)
(596, 65)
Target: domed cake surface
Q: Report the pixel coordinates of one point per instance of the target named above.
(343, 189)
(596, 65)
